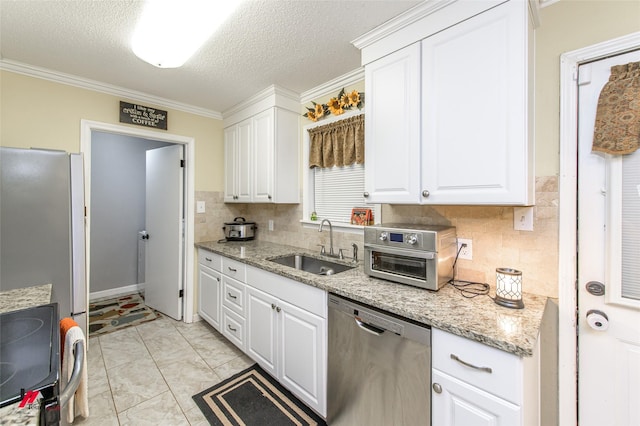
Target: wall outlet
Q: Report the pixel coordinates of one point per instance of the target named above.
(270, 224)
(466, 253)
(200, 207)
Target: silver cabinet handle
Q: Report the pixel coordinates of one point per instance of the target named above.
(425, 193)
(273, 306)
(207, 259)
(218, 278)
(269, 196)
(232, 296)
(366, 195)
(231, 269)
(231, 328)
(278, 309)
(475, 367)
(437, 388)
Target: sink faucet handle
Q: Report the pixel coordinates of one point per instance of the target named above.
(340, 254)
(355, 251)
(322, 251)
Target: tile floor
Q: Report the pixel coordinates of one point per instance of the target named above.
(146, 375)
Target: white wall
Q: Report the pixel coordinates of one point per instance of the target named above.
(118, 167)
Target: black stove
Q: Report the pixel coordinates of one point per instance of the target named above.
(29, 353)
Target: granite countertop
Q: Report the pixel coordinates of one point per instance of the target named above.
(28, 297)
(480, 319)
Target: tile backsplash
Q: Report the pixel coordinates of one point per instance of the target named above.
(495, 243)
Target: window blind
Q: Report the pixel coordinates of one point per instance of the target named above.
(631, 226)
(337, 191)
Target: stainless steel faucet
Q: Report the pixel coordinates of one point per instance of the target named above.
(355, 252)
(330, 235)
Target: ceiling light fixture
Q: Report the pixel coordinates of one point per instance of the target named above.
(170, 31)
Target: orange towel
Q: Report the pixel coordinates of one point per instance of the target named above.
(65, 325)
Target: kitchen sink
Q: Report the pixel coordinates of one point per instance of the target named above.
(311, 264)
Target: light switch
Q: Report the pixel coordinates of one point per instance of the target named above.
(200, 207)
(523, 218)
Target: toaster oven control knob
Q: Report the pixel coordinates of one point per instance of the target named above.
(383, 236)
(412, 239)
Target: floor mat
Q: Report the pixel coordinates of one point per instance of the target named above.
(253, 398)
(106, 316)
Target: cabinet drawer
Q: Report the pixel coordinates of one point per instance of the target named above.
(233, 327)
(234, 269)
(484, 367)
(209, 259)
(233, 295)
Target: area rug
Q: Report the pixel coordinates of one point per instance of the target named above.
(253, 398)
(106, 316)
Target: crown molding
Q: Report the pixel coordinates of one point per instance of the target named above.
(404, 19)
(96, 86)
(332, 85)
(272, 91)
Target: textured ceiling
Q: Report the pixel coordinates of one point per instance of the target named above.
(296, 44)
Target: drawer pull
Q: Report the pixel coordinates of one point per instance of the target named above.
(231, 328)
(207, 259)
(466, 364)
(231, 269)
(232, 296)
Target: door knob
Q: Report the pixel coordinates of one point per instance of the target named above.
(437, 388)
(425, 193)
(597, 320)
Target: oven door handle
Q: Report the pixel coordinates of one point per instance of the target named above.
(76, 374)
(408, 252)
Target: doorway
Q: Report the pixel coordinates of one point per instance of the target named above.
(571, 284)
(184, 146)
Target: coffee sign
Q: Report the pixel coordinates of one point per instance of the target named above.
(143, 116)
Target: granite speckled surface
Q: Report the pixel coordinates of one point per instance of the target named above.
(21, 298)
(480, 319)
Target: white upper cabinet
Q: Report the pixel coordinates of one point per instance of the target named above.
(262, 150)
(450, 116)
(392, 127)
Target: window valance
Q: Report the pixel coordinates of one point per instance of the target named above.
(617, 126)
(337, 144)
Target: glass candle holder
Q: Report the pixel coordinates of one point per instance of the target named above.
(509, 288)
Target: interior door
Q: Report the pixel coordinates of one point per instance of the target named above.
(164, 224)
(608, 253)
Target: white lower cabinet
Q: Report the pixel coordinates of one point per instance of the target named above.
(209, 286)
(474, 384)
(286, 333)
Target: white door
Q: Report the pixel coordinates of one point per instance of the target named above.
(164, 223)
(608, 253)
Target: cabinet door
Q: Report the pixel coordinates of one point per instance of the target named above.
(392, 127)
(209, 295)
(303, 354)
(244, 166)
(261, 329)
(474, 118)
(461, 404)
(263, 149)
(230, 163)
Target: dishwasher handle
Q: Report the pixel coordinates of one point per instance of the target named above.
(368, 327)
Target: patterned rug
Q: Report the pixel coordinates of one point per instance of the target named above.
(253, 398)
(106, 316)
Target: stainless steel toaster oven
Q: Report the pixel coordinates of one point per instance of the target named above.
(418, 255)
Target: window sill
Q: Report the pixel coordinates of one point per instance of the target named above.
(337, 226)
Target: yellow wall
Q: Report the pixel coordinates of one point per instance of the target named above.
(565, 26)
(43, 114)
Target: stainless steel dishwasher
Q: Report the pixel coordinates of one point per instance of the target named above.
(379, 368)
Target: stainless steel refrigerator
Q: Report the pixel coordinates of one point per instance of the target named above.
(42, 226)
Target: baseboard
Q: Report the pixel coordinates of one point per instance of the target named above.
(115, 292)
